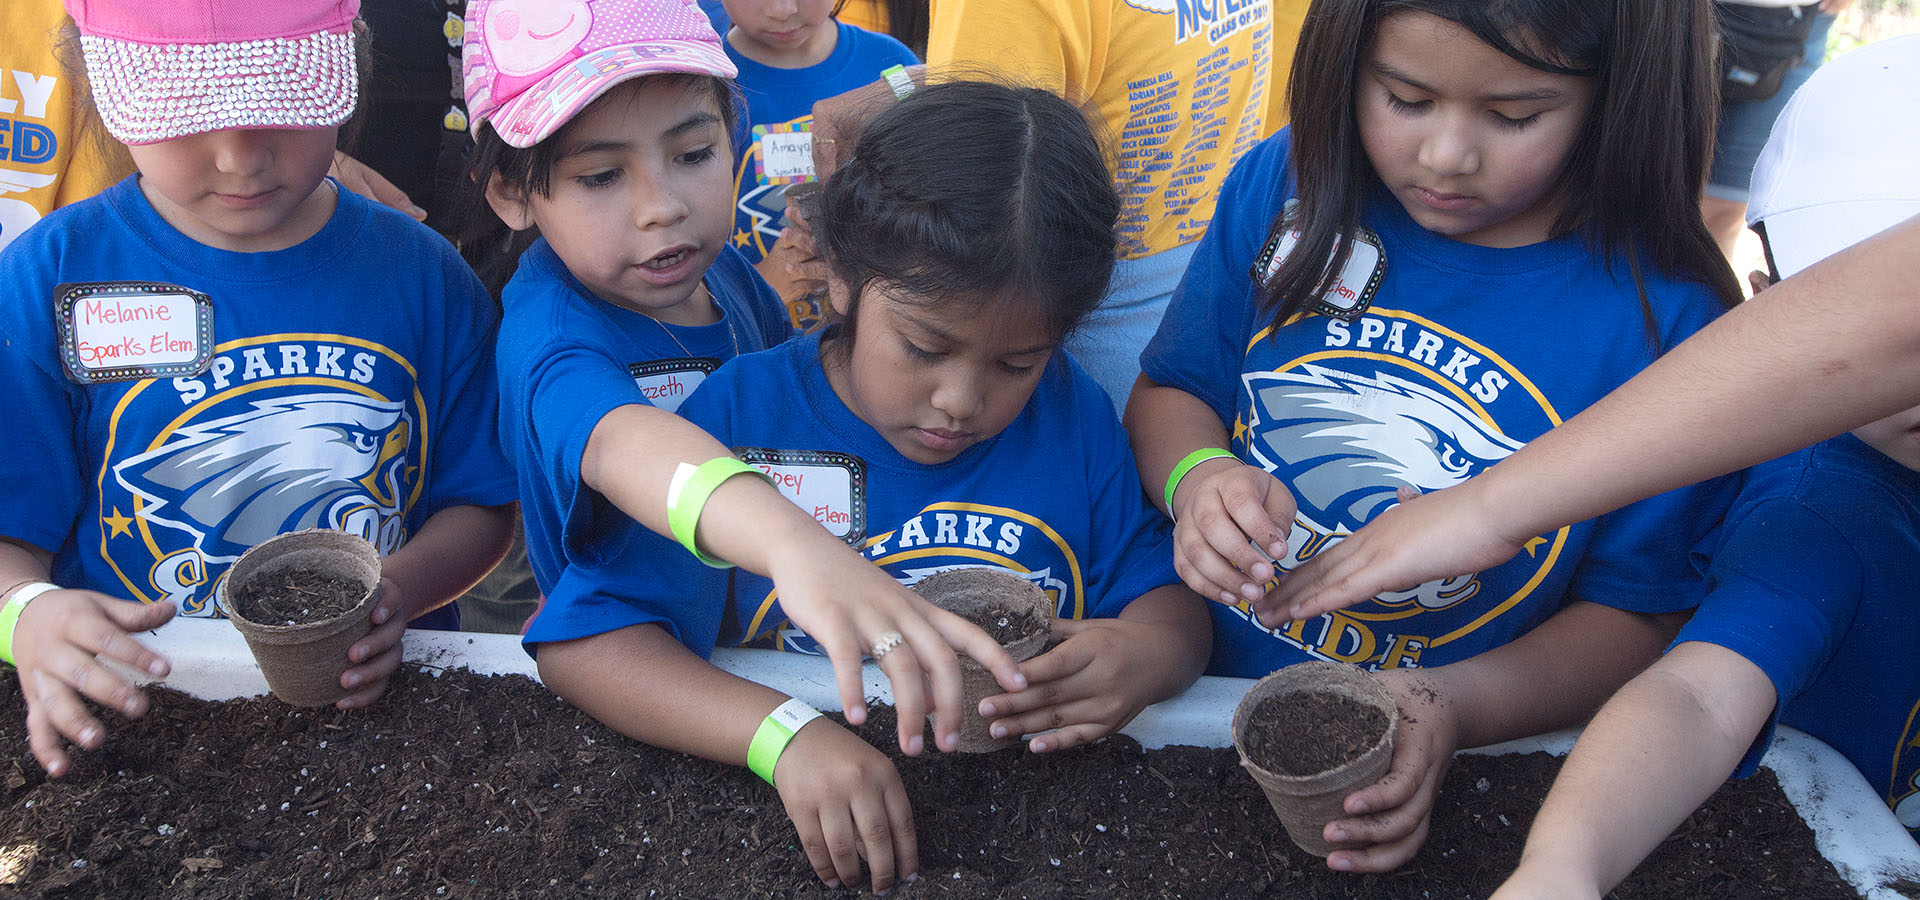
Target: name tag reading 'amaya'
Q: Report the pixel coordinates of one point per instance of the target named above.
(831, 487)
(127, 331)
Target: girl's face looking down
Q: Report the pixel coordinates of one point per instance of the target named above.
(1471, 141)
(936, 378)
(784, 33)
(246, 190)
(640, 198)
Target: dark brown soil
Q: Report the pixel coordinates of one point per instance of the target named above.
(1309, 732)
(463, 786)
(296, 596)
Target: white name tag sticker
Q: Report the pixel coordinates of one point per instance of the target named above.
(127, 331)
(786, 153)
(666, 383)
(787, 156)
(1359, 279)
(1346, 293)
(831, 487)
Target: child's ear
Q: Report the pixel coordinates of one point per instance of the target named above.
(509, 204)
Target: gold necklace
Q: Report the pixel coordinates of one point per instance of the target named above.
(732, 336)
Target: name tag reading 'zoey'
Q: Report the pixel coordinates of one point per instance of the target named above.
(830, 486)
(127, 330)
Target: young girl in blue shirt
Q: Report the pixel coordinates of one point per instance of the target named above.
(790, 53)
(603, 128)
(224, 347)
(934, 424)
(1482, 219)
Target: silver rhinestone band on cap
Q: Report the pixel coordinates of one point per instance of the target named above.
(147, 93)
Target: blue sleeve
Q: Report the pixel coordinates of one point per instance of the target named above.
(884, 50)
(1782, 590)
(568, 392)
(1132, 546)
(650, 580)
(1638, 558)
(1202, 338)
(639, 577)
(45, 411)
(469, 466)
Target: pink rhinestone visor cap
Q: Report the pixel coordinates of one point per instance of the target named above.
(165, 69)
(530, 65)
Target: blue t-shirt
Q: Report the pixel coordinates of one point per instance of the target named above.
(567, 358)
(1465, 354)
(776, 96)
(1055, 497)
(1814, 578)
(351, 387)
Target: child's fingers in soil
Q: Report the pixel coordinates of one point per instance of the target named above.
(1381, 857)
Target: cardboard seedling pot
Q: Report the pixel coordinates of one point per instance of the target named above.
(303, 662)
(983, 596)
(1306, 803)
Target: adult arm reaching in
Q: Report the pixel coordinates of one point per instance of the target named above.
(1829, 349)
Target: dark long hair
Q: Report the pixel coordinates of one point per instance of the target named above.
(976, 192)
(484, 240)
(1631, 182)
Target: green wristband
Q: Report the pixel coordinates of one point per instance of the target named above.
(1186, 465)
(898, 79)
(775, 733)
(688, 494)
(10, 614)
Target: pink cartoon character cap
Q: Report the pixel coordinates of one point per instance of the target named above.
(531, 65)
(165, 69)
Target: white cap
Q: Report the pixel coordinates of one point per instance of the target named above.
(1841, 164)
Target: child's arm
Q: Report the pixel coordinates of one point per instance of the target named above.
(1652, 755)
(1219, 505)
(840, 599)
(453, 550)
(58, 643)
(844, 797)
(1830, 349)
(1105, 671)
(1551, 677)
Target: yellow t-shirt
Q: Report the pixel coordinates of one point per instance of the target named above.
(1181, 84)
(1289, 16)
(49, 157)
(868, 14)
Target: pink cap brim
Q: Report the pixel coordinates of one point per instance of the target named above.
(149, 92)
(537, 113)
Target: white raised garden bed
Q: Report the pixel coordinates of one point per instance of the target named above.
(1853, 828)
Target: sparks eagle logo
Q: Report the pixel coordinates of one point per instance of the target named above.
(309, 461)
(1348, 443)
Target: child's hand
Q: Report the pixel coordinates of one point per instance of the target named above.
(1088, 686)
(1391, 816)
(376, 656)
(1221, 504)
(847, 605)
(58, 644)
(848, 804)
(1429, 536)
(789, 266)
